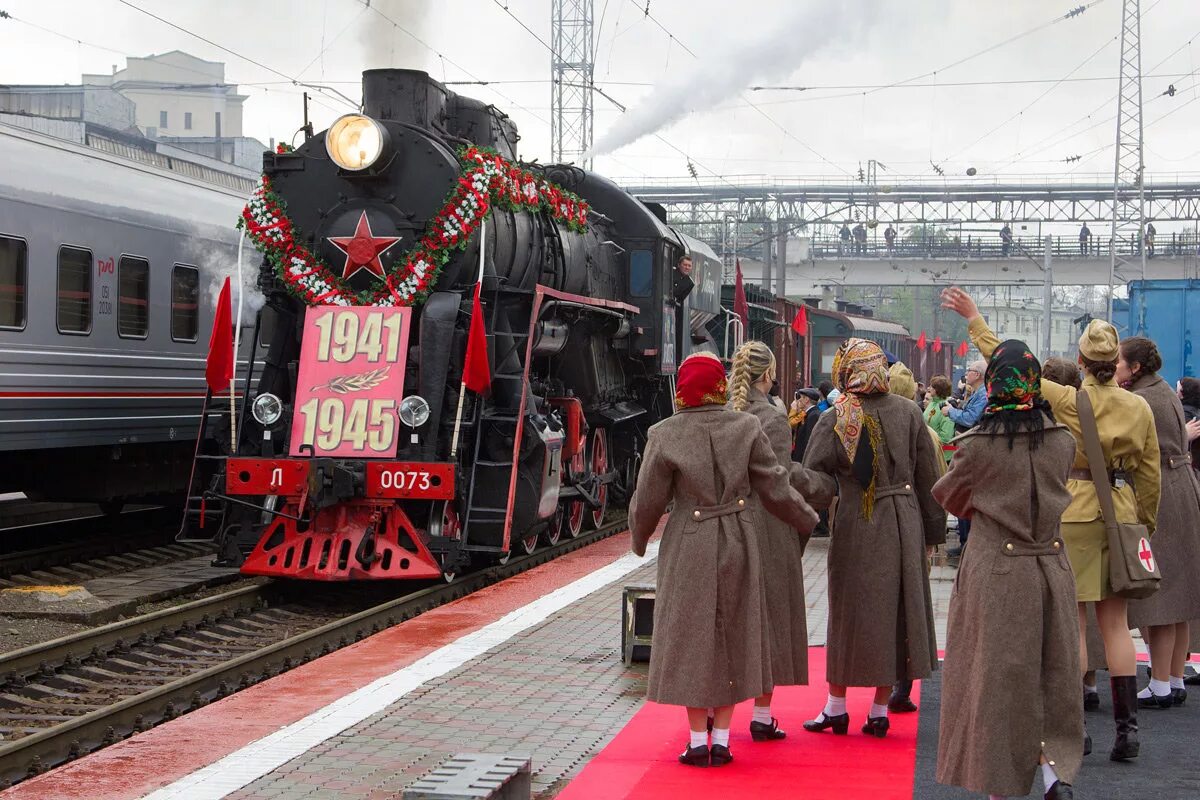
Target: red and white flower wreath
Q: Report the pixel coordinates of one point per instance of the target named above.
(487, 180)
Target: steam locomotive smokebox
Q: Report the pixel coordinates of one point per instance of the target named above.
(404, 95)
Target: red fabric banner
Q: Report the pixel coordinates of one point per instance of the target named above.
(800, 323)
(937, 345)
(963, 349)
(921, 341)
(477, 373)
(740, 306)
(218, 370)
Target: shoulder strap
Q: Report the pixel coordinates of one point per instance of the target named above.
(1095, 455)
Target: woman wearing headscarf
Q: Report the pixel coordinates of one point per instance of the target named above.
(751, 375)
(711, 647)
(873, 450)
(1164, 615)
(1013, 621)
(1130, 444)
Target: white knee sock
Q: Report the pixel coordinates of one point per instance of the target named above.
(762, 714)
(720, 737)
(1157, 688)
(699, 738)
(835, 706)
(878, 710)
(1049, 776)
(1177, 683)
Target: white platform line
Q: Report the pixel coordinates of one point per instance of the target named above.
(244, 766)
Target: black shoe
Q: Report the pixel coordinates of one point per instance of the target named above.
(720, 755)
(1060, 791)
(1179, 696)
(876, 726)
(901, 704)
(762, 732)
(695, 756)
(1124, 696)
(1156, 701)
(1192, 680)
(840, 724)
(1087, 744)
(1091, 701)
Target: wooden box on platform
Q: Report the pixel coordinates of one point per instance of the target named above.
(637, 623)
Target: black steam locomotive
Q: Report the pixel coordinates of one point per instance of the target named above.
(361, 451)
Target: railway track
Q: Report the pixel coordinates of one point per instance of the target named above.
(64, 699)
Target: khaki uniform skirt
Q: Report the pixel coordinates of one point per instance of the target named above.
(1087, 549)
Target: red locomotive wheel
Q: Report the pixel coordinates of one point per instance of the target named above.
(574, 510)
(443, 521)
(554, 531)
(599, 467)
(527, 545)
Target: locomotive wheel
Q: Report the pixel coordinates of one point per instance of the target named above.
(574, 510)
(554, 531)
(527, 545)
(443, 521)
(599, 467)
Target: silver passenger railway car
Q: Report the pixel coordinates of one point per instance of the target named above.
(105, 312)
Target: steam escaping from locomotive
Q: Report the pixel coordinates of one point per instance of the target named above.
(215, 267)
(385, 45)
(720, 73)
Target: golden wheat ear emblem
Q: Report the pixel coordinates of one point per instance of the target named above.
(344, 384)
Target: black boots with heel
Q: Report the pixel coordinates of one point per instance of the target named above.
(1125, 704)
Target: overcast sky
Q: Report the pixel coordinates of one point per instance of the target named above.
(998, 125)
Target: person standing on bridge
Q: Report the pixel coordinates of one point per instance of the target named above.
(711, 647)
(1085, 240)
(1005, 240)
(1012, 613)
(844, 240)
(889, 237)
(874, 453)
(1150, 232)
(1125, 426)
(860, 239)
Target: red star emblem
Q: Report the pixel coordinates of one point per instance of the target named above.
(363, 249)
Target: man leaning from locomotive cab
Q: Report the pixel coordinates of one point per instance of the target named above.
(683, 281)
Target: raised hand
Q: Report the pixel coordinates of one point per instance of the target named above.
(1193, 430)
(958, 301)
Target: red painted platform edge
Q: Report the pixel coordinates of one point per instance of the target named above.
(164, 754)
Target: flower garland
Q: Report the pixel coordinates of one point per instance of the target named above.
(487, 180)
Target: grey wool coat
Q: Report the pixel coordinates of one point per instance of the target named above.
(1010, 688)
(711, 646)
(783, 561)
(1176, 539)
(880, 612)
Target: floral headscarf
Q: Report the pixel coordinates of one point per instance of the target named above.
(860, 369)
(1014, 390)
(700, 382)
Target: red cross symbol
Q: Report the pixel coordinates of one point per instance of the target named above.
(1144, 555)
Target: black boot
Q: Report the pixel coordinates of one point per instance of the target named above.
(901, 699)
(1060, 791)
(1124, 696)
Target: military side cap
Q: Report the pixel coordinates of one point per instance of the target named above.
(1099, 341)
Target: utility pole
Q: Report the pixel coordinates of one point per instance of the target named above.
(1128, 212)
(781, 249)
(1047, 296)
(572, 65)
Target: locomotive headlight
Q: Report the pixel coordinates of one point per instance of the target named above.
(355, 142)
(414, 411)
(267, 409)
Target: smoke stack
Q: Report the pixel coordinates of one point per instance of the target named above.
(404, 95)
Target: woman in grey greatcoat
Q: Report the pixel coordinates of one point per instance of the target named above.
(1164, 615)
(874, 451)
(710, 646)
(1009, 692)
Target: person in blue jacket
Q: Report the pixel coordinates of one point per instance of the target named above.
(964, 419)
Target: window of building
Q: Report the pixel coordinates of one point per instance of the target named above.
(74, 290)
(13, 258)
(162, 119)
(185, 298)
(187, 120)
(133, 297)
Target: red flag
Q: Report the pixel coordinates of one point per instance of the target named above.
(921, 341)
(219, 369)
(740, 306)
(800, 323)
(937, 345)
(477, 374)
(963, 349)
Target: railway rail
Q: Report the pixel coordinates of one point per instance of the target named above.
(64, 699)
(70, 539)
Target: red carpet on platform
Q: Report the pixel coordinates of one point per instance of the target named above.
(641, 762)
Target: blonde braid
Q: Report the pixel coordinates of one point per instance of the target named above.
(751, 361)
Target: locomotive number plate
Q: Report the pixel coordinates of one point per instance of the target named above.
(410, 480)
(350, 382)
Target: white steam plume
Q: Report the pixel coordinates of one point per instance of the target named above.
(384, 44)
(721, 72)
(218, 263)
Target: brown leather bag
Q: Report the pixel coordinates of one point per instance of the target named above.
(1132, 571)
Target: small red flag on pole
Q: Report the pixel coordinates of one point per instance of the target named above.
(740, 306)
(218, 370)
(963, 349)
(477, 373)
(800, 322)
(921, 341)
(937, 345)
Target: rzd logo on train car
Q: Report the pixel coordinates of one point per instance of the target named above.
(351, 381)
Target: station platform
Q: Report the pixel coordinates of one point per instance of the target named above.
(532, 667)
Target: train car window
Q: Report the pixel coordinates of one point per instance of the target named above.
(133, 298)
(641, 273)
(185, 303)
(74, 290)
(13, 260)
